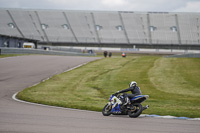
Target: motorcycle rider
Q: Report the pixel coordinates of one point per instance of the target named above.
(134, 89)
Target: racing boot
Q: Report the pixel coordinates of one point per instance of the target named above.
(127, 102)
(145, 107)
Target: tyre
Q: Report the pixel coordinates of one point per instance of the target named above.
(135, 110)
(107, 110)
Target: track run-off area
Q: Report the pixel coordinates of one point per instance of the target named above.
(20, 72)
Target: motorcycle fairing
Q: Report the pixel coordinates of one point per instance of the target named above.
(115, 103)
(114, 99)
(111, 98)
(139, 98)
(116, 109)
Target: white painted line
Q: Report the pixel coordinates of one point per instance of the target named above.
(75, 67)
(18, 100)
(195, 119)
(49, 106)
(142, 115)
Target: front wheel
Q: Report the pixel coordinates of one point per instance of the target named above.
(135, 110)
(107, 110)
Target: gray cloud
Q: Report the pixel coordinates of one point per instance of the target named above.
(108, 5)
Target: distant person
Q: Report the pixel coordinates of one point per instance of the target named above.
(123, 54)
(105, 53)
(110, 54)
(90, 51)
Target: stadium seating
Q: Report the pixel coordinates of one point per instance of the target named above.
(112, 28)
(55, 30)
(7, 26)
(136, 27)
(189, 28)
(102, 27)
(163, 34)
(82, 26)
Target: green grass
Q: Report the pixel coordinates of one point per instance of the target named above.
(9, 55)
(172, 84)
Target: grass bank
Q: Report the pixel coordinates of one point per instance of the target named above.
(171, 83)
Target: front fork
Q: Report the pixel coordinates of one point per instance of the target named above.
(109, 105)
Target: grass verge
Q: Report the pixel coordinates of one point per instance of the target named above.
(171, 83)
(9, 55)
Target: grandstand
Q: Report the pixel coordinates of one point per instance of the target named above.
(125, 29)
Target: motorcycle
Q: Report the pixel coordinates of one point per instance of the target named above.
(115, 106)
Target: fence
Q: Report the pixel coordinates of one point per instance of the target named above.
(38, 51)
(191, 55)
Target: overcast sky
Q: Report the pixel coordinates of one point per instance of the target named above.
(107, 5)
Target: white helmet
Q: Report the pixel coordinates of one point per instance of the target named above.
(132, 84)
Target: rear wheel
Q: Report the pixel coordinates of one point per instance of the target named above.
(135, 110)
(107, 110)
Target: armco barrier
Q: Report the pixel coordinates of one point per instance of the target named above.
(190, 55)
(39, 51)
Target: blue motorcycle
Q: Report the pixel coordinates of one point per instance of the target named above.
(115, 106)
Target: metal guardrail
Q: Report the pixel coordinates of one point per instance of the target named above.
(190, 55)
(39, 51)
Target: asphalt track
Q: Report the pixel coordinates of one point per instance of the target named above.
(17, 73)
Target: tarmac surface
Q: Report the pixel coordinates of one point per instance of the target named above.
(17, 73)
